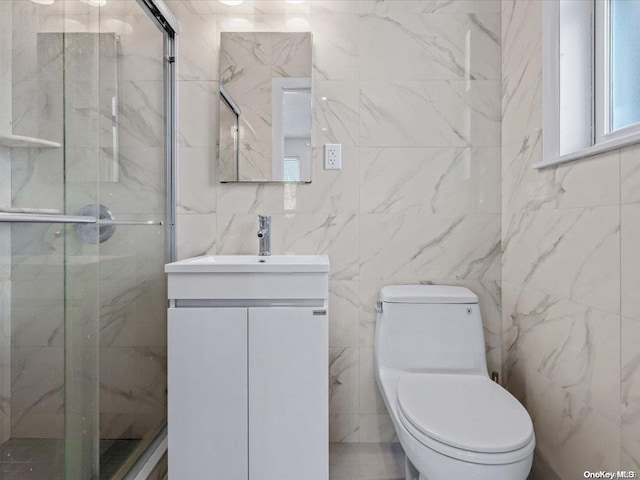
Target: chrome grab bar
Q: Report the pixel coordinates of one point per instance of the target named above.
(50, 218)
(45, 218)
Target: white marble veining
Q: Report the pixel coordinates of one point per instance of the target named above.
(141, 113)
(197, 115)
(427, 113)
(336, 44)
(429, 6)
(335, 112)
(199, 41)
(344, 390)
(573, 435)
(630, 174)
(344, 428)
(195, 234)
(573, 345)
(630, 277)
(630, 393)
(371, 402)
(140, 46)
(522, 68)
(343, 321)
(433, 46)
(196, 180)
(35, 391)
(592, 182)
(410, 245)
(429, 180)
(572, 253)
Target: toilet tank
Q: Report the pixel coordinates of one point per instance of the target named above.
(430, 328)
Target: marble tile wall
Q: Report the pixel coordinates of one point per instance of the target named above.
(569, 276)
(411, 89)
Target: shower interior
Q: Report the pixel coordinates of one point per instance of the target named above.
(82, 322)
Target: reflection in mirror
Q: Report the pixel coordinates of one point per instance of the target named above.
(229, 118)
(265, 107)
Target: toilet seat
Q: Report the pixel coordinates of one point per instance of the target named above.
(468, 417)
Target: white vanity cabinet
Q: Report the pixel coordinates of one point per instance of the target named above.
(248, 371)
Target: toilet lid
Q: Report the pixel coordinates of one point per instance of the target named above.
(469, 412)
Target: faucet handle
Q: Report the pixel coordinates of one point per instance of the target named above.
(264, 219)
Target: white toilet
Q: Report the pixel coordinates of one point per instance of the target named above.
(452, 421)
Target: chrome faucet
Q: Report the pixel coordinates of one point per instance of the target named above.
(264, 234)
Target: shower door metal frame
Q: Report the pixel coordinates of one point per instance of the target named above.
(161, 15)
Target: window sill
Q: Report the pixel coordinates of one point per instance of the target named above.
(602, 147)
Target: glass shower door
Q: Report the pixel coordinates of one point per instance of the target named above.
(82, 303)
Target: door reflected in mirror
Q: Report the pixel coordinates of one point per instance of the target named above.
(265, 107)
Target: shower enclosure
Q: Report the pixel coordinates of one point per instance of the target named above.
(87, 145)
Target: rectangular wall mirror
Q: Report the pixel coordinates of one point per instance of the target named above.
(265, 107)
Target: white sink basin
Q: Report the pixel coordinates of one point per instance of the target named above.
(248, 277)
(250, 264)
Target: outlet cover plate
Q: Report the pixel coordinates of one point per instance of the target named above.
(332, 156)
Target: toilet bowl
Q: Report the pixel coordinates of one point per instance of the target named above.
(452, 421)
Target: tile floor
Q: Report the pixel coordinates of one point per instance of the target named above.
(43, 459)
(366, 461)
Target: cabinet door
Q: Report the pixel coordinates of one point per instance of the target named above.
(288, 394)
(207, 411)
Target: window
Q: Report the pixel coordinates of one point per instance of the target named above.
(625, 63)
(591, 77)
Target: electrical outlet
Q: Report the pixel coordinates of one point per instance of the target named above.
(332, 156)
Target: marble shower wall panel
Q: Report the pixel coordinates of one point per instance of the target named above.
(411, 89)
(569, 276)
